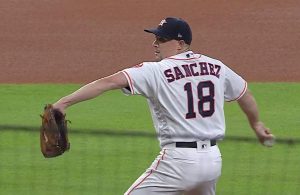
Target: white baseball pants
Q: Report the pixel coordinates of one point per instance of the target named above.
(176, 171)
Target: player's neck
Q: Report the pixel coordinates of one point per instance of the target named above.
(184, 49)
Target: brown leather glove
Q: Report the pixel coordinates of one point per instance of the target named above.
(53, 132)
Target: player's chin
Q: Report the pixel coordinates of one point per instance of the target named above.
(158, 56)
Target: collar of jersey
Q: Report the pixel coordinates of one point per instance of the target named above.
(189, 55)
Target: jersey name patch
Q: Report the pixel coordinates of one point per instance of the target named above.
(189, 70)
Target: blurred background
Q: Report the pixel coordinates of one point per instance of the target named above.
(83, 40)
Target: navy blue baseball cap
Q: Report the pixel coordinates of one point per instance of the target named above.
(173, 28)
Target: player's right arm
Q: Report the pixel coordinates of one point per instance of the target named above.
(92, 90)
(236, 89)
(249, 107)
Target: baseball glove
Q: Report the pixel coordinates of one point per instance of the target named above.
(53, 132)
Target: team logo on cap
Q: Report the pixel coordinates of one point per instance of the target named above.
(162, 22)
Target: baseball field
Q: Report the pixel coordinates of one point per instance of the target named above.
(51, 48)
(113, 142)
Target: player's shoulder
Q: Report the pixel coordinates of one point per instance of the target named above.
(211, 60)
(144, 65)
(153, 66)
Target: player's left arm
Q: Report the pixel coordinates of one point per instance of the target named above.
(92, 90)
(248, 105)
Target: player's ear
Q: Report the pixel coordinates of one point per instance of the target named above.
(181, 45)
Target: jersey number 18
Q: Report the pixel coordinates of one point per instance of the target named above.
(203, 99)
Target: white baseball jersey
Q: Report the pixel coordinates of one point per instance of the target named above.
(186, 95)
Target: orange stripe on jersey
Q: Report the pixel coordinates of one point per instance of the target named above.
(244, 90)
(130, 82)
(185, 58)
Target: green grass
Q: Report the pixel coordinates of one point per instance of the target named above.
(108, 164)
(279, 107)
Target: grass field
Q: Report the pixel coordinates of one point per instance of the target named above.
(113, 142)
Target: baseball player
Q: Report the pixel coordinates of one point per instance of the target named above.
(186, 93)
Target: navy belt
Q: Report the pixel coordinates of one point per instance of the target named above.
(192, 144)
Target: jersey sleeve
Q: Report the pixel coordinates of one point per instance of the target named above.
(235, 85)
(141, 80)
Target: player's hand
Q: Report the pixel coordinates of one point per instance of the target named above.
(59, 106)
(263, 133)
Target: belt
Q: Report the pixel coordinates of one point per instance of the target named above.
(193, 144)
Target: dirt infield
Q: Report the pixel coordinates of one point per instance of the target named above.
(78, 41)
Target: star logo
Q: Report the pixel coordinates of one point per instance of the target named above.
(162, 22)
(138, 65)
